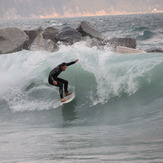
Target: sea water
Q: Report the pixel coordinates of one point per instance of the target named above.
(117, 115)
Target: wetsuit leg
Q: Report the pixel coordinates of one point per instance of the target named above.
(59, 84)
(65, 82)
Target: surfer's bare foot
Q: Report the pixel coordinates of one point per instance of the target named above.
(63, 99)
(68, 93)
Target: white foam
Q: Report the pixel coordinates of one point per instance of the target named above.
(24, 74)
(18, 71)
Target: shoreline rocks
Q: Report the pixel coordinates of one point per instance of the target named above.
(126, 42)
(68, 35)
(127, 50)
(152, 50)
(50, 33)
(32, 34)
(14, 39)
(87, 30)
(42, 44)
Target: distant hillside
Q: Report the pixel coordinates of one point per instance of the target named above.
(37, 8)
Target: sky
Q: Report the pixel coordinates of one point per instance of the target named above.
(15, 9)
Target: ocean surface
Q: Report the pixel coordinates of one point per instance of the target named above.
(117, 115)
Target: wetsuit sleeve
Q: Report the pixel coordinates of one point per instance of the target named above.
(52, 78)
(70, 63)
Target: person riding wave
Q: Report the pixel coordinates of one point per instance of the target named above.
(59, 82)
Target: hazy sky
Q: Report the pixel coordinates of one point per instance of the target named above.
(10, 9)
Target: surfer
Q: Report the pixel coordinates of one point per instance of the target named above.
(58, 82)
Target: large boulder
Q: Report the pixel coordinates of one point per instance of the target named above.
(50, 33)
(42, 44)
(12, 40)
(126, 50)
(87, 30)
(32, 34)
(126, 42)
(68, 35)
(153, 50)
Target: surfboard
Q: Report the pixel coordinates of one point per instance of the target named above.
(69, 98)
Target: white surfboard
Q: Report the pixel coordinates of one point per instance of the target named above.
(69, 98)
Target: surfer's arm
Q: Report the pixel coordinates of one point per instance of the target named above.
(73, 62)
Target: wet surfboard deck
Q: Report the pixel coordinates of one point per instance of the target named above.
(69, 98)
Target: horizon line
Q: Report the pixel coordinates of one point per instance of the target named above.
(73, 15)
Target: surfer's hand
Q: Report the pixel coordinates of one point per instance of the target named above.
(55, 82)
(76, 60)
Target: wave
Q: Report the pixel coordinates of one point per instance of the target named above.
(147, 34)
(98, 78)
(140, 29)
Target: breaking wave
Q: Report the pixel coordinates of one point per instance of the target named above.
(99, 78)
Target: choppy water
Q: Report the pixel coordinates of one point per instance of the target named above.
(117, 115)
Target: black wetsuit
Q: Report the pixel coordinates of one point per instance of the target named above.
(53, 76)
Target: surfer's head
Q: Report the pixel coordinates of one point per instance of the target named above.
(63, 66)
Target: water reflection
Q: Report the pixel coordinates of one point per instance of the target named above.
(68, 112)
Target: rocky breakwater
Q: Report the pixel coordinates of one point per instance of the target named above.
(49, 39)
(12, 40)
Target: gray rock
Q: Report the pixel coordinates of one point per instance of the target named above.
(125, 42)
(69, 35)
(42, 44)
(32, 34)
(2, 38)
(87, 30)
(12, 40)
(91, 42)
(50, 33)
(152, 50)
(126, 50)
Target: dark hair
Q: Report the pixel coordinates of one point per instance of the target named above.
(63, 64)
